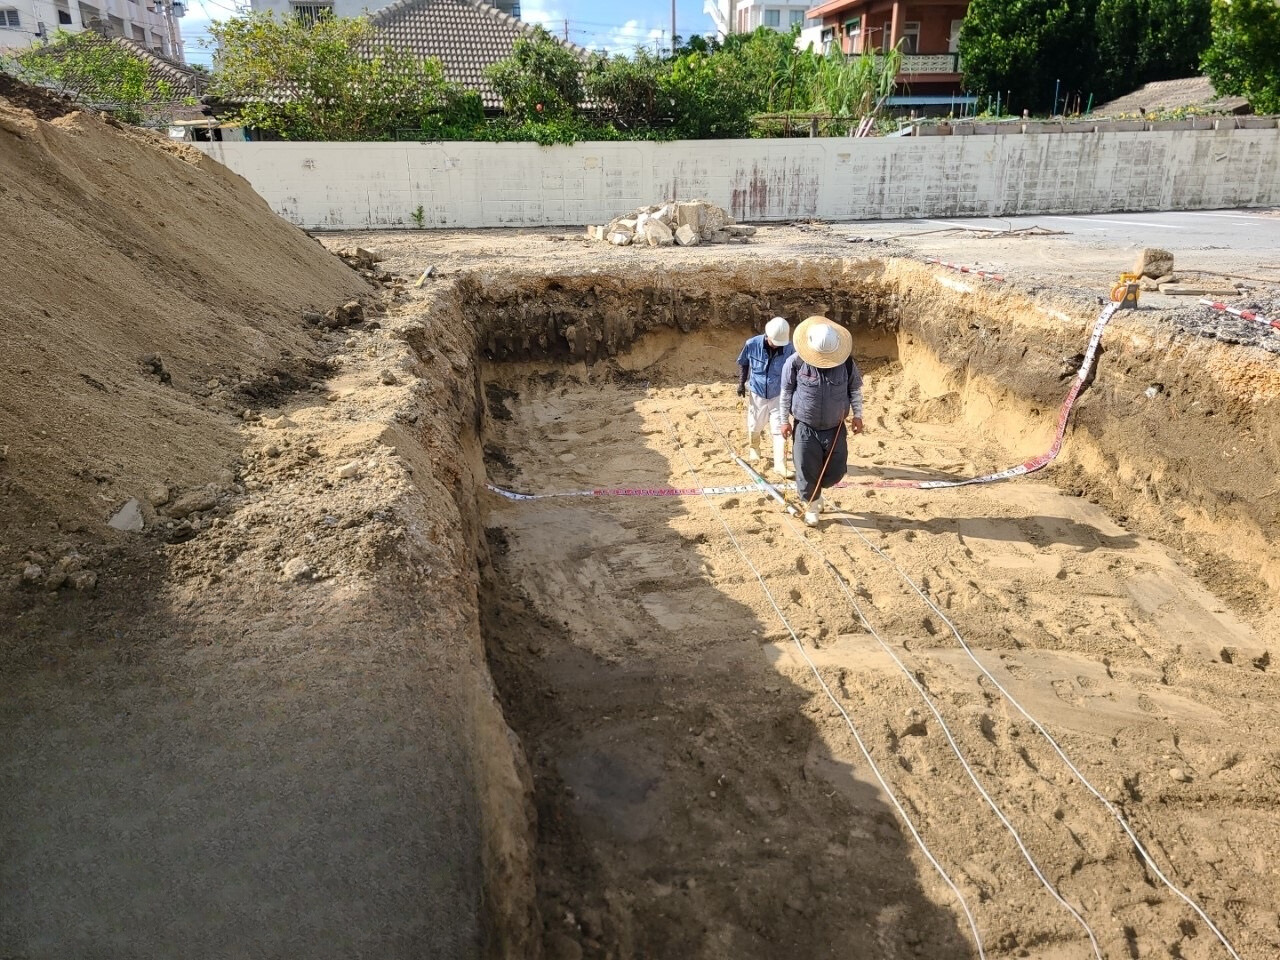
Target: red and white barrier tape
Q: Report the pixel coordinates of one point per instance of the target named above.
(1242, 314)
(1038, 462)
(628, 492)
(961, 268)
(1042, 460)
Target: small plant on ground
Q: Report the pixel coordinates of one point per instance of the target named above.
(419, 218)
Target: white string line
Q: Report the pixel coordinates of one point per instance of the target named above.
(955, 748)
(1115, 814)
(973, 926)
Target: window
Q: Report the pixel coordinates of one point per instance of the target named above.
(853, 35)
(773, 18)
(9, 19)
(515, 10)
(828, 36)
(910, 36)
(953, 42)
(309, 13)
(796, 16)
(64, 18)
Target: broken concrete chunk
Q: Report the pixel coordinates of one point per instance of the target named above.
(620, 239)
(1153, 262)
(128, 518)
(658, 234)
(349, 471)
(369, 255)
(687, 236)
(32, 573)
(739, 230)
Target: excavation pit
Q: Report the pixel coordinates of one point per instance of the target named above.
(696, 793)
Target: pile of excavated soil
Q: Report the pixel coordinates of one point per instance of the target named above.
(262, 724)
(150, 294)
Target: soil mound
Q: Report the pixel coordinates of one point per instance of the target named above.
(150, 295)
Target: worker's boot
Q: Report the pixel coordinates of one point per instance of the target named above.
(753, 447)
(814, 511)
(780, 465)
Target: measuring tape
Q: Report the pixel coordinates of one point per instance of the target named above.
(1030, 466)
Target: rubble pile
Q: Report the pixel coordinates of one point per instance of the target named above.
(682, 223)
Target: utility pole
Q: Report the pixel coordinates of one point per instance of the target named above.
(673, 28)
(566, 31)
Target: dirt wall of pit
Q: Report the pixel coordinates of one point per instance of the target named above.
(1177, 435)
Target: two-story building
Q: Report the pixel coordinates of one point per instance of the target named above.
(744, 16)
(927, 30)
(151, 23)
(311, 9)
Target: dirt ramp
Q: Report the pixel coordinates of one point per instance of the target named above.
(155, 296)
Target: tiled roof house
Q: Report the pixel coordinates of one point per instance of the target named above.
(465, 35)
(1197, 92)
(182, 80)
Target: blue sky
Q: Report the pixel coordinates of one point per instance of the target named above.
(618, 27)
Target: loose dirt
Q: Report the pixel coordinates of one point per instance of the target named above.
(261, 724)
(266, 721)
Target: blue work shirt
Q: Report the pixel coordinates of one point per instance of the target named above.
(764, 368)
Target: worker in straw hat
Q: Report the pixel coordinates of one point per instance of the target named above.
(821, 384)
(760, 382)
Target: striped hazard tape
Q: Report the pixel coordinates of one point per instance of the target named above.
(1242, 314)
(1038, 462)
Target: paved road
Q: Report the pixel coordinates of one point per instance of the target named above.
(1255, 231)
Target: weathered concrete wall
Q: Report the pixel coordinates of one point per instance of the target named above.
(359, 185)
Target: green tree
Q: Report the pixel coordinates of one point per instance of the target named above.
(709, 96)
(1243, 59)
(1029, 48)
(777, 75)
(96, 72)
(332, 79)
(629, 90)
(1144, 40)
(541, 80)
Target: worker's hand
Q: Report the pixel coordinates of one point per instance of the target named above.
(855, 424)
(742, 389)
(786, 431)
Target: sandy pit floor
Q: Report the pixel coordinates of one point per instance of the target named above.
(700, 796)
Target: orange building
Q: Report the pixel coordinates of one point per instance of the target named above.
(929, 33)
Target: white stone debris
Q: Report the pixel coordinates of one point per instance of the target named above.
(686, 223)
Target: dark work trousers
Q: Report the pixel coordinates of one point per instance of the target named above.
(810, 448)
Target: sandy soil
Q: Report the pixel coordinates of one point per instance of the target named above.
(699, 796)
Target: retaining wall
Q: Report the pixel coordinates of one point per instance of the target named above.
(1095, 170)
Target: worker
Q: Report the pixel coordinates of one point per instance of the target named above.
(821, 384)
(760, 381)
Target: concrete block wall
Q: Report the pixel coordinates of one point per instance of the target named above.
(380, 185)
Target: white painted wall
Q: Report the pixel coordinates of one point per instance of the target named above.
(362, 185)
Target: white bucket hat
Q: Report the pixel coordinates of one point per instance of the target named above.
(778, 331)
(823, 343)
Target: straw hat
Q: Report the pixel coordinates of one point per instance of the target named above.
(822, 343)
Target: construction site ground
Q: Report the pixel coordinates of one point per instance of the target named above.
(322, 693)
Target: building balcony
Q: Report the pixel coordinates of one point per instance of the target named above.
(916, 64)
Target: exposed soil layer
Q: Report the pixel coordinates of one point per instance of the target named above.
(698, 795)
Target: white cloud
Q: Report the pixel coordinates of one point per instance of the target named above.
(628, 38)
(536, 11)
